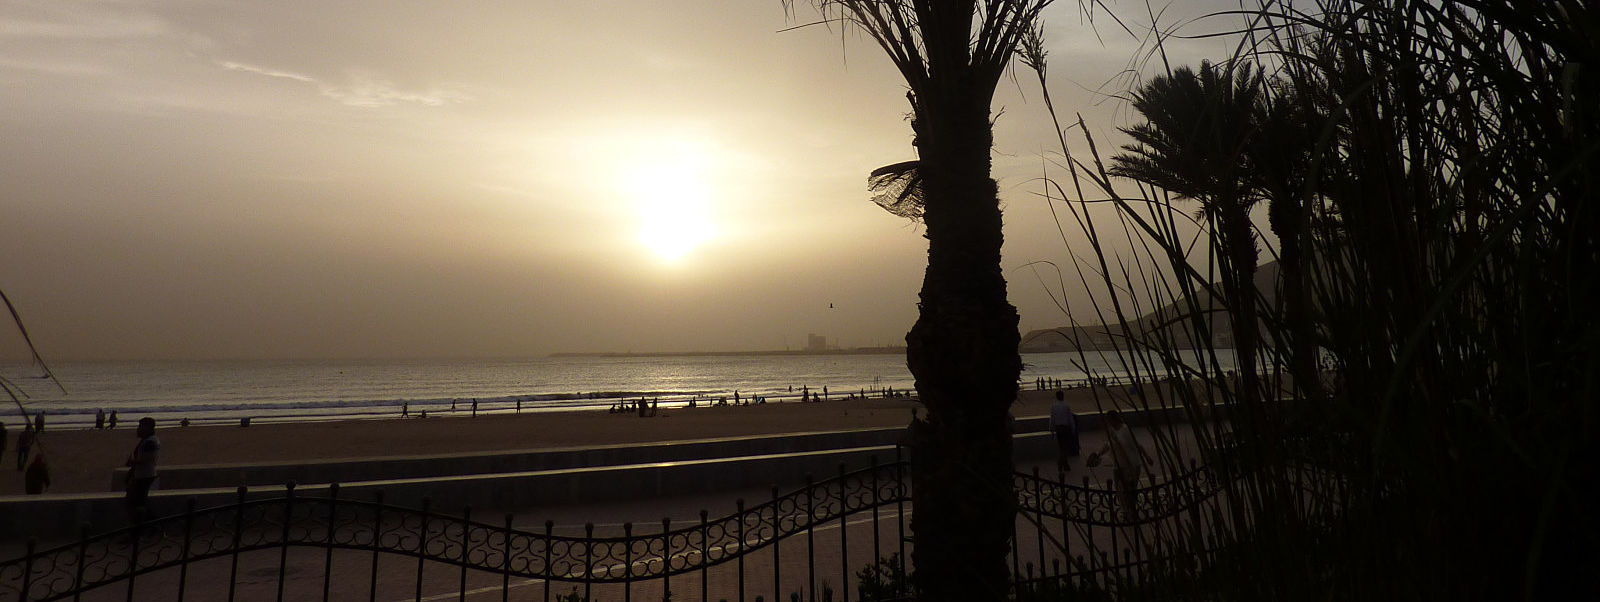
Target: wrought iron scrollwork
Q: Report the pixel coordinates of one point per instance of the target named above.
(1102, 507)
(672, 549)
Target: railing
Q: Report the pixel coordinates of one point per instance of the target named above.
(357, 544)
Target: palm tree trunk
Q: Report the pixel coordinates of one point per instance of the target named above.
(963, 353)
(1285, 216)
(1238, 242)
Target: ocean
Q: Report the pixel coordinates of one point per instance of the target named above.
(270, 391)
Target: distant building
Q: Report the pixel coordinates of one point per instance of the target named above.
(816, 342)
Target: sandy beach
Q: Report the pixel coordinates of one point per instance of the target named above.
(82, 460)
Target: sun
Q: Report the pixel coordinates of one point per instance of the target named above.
(674, 209)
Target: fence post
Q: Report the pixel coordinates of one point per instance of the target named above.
(810, 538)
(876, 550)
(1030, 584)
(844, 540)
(1088, 539)
(627, 562)
(1038, 516)
(739, 507)
(27, 569)
(188, 529)
(1055, 578)
(377, 544)
(666, 559)
(466, 539)
(327, 544)
(588, 560)
(900, 513)
(777, 542)
(283, 541)
(549, 527)
(1116, 530)
(133, 554)
(705, 557)
(1066, 529)
(422, 544)
(238, 532)
(505, 557)
(77, 579)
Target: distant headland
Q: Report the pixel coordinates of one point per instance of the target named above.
(850, 351)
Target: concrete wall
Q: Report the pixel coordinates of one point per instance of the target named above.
(59, 517)
(350, 470)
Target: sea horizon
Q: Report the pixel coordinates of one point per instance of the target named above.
(224, 391)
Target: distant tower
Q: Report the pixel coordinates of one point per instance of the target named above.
(816, 342)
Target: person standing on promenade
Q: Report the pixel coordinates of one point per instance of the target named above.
(37, 479)
(142, 468)
(38, 422)
(1128, 456)
(24, 444)
(111, 422)
(99, 418)
(1064, 426)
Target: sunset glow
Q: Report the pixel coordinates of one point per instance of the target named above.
(300, 179)
(673, 203)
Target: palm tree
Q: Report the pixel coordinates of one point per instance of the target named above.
(1194, 143)
(963, 348)
(1280, 158)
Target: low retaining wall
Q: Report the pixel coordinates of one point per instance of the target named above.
(61, 516)
(350, 470)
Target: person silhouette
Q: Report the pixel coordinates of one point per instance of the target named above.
(142, 469)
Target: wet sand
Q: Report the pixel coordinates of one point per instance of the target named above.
(82, 460)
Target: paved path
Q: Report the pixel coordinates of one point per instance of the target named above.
(397, 576)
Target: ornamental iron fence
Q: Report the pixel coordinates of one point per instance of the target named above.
(853, 527)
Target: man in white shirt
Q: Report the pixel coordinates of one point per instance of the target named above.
(1127, 455)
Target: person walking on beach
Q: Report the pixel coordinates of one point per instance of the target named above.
(111, 422)
(1128, 456)
(142, 468)
(24, 444)
(38, 422)
(1064, 426)
(99, 418)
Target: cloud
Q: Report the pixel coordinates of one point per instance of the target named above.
(368, 91)
(233, 66)
(362, 91)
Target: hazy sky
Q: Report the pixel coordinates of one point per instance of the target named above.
(242, 179)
